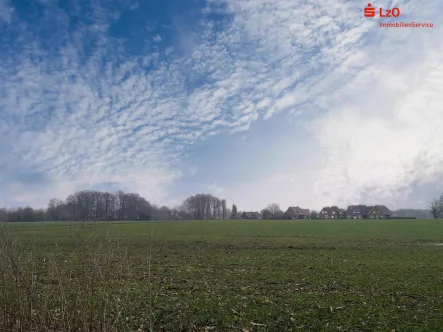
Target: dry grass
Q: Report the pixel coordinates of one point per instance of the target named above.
(66, 288)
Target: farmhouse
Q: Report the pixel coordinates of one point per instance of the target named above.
(332, 212)
(294, 212)
(378, 212)
(368, 212)
(356, 211)
(251, 215)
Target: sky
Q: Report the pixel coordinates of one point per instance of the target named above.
(302, 103)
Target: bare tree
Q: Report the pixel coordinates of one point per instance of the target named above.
(274, 208)
(3, 214)
(223, 206)
(234, 212)
(55, 207)
(203, 207)
(436, 208)
(26, 214)
(272, 211)
(266, 213)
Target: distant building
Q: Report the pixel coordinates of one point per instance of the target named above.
(332, 212)
(356, 211)
(250, 215)
(378, 212)
(294, 212)
(368, 212)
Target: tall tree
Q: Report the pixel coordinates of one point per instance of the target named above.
(223, 204)
(234, 211)
(52, 208)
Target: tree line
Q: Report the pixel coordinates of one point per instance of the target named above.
(93, 205)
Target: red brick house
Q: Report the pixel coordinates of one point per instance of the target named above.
(332, 212)
(295, 212)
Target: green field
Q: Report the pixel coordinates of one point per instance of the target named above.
(362, 275)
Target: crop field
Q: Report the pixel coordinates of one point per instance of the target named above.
(313, 275)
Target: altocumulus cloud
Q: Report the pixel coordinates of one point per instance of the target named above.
(78, 109)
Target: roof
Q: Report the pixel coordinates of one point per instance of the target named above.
(367, 209)
(294, 209)
(354, 210)
(326, 209)
(383, 209)
(335, 208)
(298, 210)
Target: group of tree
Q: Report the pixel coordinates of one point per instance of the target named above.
(272, 211)
(204, 206)
(105, 206)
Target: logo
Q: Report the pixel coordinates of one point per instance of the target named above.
(369, 11)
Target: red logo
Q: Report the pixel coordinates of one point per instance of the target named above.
(369, 11)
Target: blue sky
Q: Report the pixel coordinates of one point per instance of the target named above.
(297, 102)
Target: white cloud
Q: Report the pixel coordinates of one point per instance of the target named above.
(386, 145)
(381, 100)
